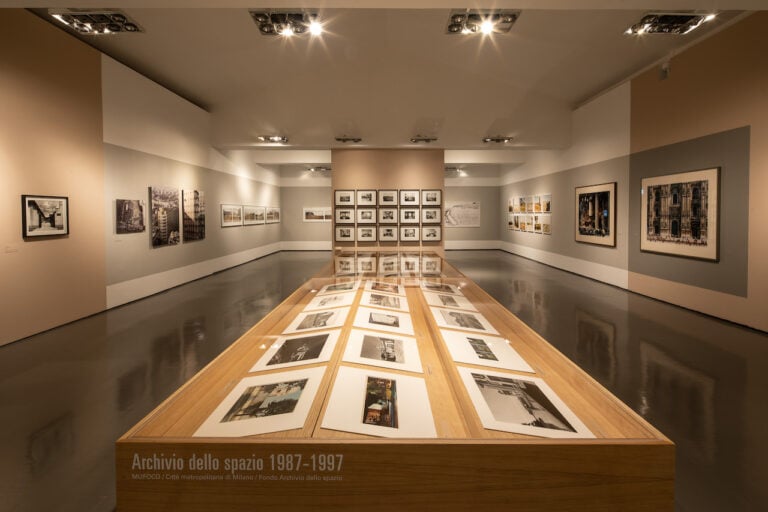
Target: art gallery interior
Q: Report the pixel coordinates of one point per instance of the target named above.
(183, 171)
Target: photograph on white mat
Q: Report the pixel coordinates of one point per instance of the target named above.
(523, 405)
(289, 351)
(385, 350)
(384, 287)
(390, 321)
(440, 287)
(332, 300)
(264, 403)
(379, 404)
(448, 300)
(462, 320)
(483, 350)
(316, 320)
(384, 300)
(345, 286)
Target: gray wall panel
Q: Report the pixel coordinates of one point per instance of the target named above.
(294, 199)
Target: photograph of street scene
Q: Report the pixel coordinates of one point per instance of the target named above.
(381, 348)
(299, 349)
(266, 400)
(380, 402)
(482, 349)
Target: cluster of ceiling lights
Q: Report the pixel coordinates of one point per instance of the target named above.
(473, 21)
(95, 22)
(418, 139)
(669, 23)
(277, 23)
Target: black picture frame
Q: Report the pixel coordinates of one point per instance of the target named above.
(44, 216)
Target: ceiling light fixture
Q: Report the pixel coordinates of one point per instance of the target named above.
(345, 139)
(677, 23)
(473, 21)
(420, 138)
(95, 23)
(274, 139)
(498, 139)
(319, 169)
(273, 23)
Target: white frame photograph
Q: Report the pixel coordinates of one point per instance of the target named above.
(378, 286)
(395, 352)
(346, 405)
(344, 265)
(341, 236)
(364, 231)
(316, 214)
(366, 264)
(437, 218)
(388, 233)
(427, 198)
(339, 287)
(345, 216)
(446, 300)
(236, 213)
(339, 197)
(258, 212)
(389, 264)
(450, 319)
(215, 427)
(274, 211)
(366, 319)
(412, 233)
(305, 321)
(463, 351)
(504, 403)
(413, 218)
(440, 287)
(409, 198)
(391, 219)
(331, 300)
(384, 301)
(384, 196)
(363, 198)
(410, 264)
(431, 234)
(366, 215)
(298, 350)
(431, 265)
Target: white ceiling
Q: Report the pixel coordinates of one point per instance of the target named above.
(388, 74)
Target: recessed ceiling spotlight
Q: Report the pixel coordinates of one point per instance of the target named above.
(274, 139)
(677, 23)
(319, 169)
(420, 138)
(345, 140)
(498, 139)
(95, 23)
(474, 21)
(272, 23)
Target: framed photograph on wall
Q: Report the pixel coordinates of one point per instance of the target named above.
(345, 215)
(409, 198)
(431, 234)
(164, 210)
(45, 216)
(316, 214)
(680, 214)
(193, 215)
(129, 216)
(231, 215)
(596, 214)
(409, 234)
(388, 198)
(462, 214)
(387, 233)
(387, 215)
(345, 234)
(431, 215)
(409, 215)
(366, 234)
(366, 198)
(273, 215)
(344, 198)
(253, 215)
(431, 197)
(546, 203)
(366, 215)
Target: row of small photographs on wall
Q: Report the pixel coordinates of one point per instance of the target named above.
(388, 215)
(537, 223)
(388, 197)
(388, 234)
(531, 204)
(388, 265)
(247, 215)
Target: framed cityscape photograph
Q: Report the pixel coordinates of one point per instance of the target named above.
(316, 214)
(409, 215)
(366, 198)
(387, 233)
(164, 206)
(231, 215)
(409, 198)
(366, 234)
(254, 215)
(345, 234)
(384, 350)
(129, 216)
(409, 234)
(596, 214)
(44, 216)
(345, 215)
(388, 198)
(431, 234)
(193, 215)
(366, 215)
(431, 215)
(273, 215)
(344, 198)
(431, 197)
(388, 215)
(680, 214)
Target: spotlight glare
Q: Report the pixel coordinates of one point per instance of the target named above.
(486, 27)
(315, 28)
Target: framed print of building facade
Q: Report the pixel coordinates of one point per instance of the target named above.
(596, 214)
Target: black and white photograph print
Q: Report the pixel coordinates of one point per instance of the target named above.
(44, 216)
(387, 197)
(448, 300)
(366, 234)
(440, 287)
(331, 300)
(384, 300)
(310, 321)
(431, 197)
(596, 214)
(431, 215)
(366, 198)
(387, 233)
(344, 286)
(193, 215)
(254, 215)
(391, 321)
(366, 264)
(431, 234)
(388, 263)
(164, 204)
(384, 287)
(129, 216)
(387, 215)
(523, 405)
(431, 266)
(273, 215)
(345, 234)
(345, 215)
(381, 404)
(344, 265)
(366, 215)
(316, 214)
(409, 198)
(410, 264)
(344, 198)
(484, 350)
(231, 215)
(462, 320)
(264, 403)
(409, 234)
(679, 214)
(409, 216)
(290, 351)
(384, 350)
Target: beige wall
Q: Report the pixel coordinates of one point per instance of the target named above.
(50, 144)
(717, 85)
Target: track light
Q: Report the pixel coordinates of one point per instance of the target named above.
(677, 23)
(275, 139)
(95, 23)
(426, 140)
(319, 169)
(473, 21)
(345, 140)
(273, 23)
(498, 139)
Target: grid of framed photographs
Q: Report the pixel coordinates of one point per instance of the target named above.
(388, 264)
(388, 215)
(530, 214)
(248, 215)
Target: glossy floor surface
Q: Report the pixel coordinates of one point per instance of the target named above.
(67, 394)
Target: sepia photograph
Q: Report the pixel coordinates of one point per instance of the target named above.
(385, 287)
(408, 234)
(273, 215)
(310, 321)
(462, 214)
(129, 216)
(384, 300)
(366, 198)
(254, 215)
(529, 206)
(463, 320)
(193, 215)
(387, 215)
(164, 208)
(537, 204)
(344, 198)
(546, 203)
(409, 215)
(388, 198)
(409, 198)
(546, 223)
(431, 197)
(316, 214)
(390, 321)
(331, 300)
(448, 300)
(345, 234)
(379, 404)
(524, 405)
(595, 214)
(366, 234)
(346, 286)
(264, 403)
(484, 350)
(384, 350)
(231, 215)
(387, 234)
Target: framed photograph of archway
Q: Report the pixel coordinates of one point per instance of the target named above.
(44, 216)
(596, 214)
(680, 214)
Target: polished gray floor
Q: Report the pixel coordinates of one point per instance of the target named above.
(67, 394)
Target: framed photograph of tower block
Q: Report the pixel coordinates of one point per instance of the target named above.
(680, 214)
(596, 214)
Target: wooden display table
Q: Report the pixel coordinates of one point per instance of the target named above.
(628, 465)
